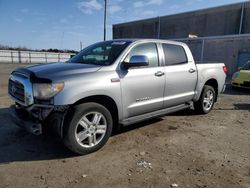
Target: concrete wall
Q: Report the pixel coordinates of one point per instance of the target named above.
(14, 56)
(224, 20)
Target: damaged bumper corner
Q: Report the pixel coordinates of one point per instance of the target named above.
(34, 119)
(22, 120)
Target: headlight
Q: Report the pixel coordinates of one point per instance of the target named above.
(46, 91)
(235, 75)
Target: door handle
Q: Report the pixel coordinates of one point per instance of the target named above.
(159, 73)
(191, 70)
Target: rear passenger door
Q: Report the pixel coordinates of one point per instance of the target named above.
(181, 75)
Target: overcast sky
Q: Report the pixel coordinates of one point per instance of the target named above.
(63, 24)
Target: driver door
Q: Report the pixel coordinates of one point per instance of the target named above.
(142, 87)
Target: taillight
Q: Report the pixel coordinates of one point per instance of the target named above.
(225, 69)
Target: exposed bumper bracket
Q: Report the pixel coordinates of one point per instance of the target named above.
(27, 123)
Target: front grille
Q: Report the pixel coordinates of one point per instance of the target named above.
(16, 90)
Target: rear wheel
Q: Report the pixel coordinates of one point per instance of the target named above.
(89, 128)
(207, 99)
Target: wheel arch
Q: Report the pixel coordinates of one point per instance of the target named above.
(200, 86)
(104, 100)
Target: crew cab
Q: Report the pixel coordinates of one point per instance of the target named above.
(111, 84)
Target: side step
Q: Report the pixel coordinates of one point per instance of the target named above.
(151, 115)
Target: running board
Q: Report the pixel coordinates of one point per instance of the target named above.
(151, 115)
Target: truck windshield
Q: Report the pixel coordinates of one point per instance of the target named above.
(103, 53)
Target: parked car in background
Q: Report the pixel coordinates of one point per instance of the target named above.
(241, 78)
(112, 83)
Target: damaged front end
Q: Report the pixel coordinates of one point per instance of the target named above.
(37, 118)
(30, 113)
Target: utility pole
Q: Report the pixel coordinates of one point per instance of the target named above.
(80, 45)
(105, 19)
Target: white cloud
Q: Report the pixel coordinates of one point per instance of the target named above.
(148, 13)
(139, 4)
(114, 8)
(63, 21)
(18, 20)
(192, 2)
(174, 7)
(25, 10)
(88, 7)
(155, 2)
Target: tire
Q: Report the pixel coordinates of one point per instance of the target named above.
(88, 129)
(206, 102)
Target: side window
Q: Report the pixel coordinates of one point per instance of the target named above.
(147, 49)
(174, 54)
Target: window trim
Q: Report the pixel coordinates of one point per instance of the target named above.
(133, 46)
(164, 57)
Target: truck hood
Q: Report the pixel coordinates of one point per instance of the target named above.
(56, 70)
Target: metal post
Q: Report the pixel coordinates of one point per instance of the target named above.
(202, 50)
(30, 57)
(46, 59)
(105, 19)
(11, 53)
(58, 57)
(241, 17)
(19, 57)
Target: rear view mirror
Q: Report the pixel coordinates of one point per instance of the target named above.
(137, 61)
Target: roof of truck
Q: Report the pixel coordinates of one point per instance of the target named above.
(149, 40)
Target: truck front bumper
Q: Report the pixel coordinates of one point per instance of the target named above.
(24, 120)
(36, 119)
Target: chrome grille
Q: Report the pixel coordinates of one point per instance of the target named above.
(16, 90)
(20, 89)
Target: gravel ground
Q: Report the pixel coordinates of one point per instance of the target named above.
(183, 148)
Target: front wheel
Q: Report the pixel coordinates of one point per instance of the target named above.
(207, 99)
(88, 129)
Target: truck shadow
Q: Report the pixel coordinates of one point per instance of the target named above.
(18, 145)
(132, 127)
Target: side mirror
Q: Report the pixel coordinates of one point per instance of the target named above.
(137, 61)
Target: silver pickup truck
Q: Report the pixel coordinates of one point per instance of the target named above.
(112, 83)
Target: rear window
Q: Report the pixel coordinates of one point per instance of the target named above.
(174, 54)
